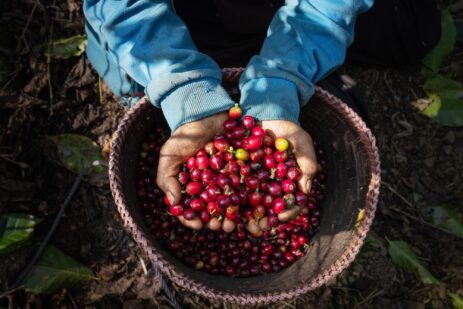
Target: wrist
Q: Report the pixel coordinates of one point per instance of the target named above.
(270, 99)
(193, 101)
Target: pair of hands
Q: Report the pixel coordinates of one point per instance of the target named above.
(188, 139)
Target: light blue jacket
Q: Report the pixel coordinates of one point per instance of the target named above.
(142, 45)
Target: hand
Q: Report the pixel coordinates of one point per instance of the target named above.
(302, 147)
(182, 144)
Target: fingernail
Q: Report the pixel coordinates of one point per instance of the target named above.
(171, 198)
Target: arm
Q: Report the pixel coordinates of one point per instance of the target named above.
(306, 40)
(149, 42)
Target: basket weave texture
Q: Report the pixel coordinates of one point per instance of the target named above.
(353, 183)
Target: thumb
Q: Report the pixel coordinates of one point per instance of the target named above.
(307, 161)
(166, 178)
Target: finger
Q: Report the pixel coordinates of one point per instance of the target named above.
(168, 169)
(307, 161)
(195, 224)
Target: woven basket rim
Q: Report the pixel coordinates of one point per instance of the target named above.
(368, 141)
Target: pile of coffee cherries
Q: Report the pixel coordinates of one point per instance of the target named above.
(241, 212)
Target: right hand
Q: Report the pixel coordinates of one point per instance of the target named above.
(181, 145)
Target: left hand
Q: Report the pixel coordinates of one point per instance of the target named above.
(300, 144)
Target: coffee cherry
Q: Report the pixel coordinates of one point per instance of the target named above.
(278, 205)
(247, 122)
(205, 216)
(269, 162)
(183, 178)
(241, 154)
(191, 163)
(230, 125)
(193, 188)
(301, 198)
(207, 176)
(189, 214)
(245, 170)
(281, 144)
(294, 173)
(223, 201)
(195, 174)
(255, 198)
(209, 148)
(256, 155)
(258, 132)
(202, 162)
(213, 192)
(235, 112)
(280, 156)
(288, 186)
(254, 142)
(251, 182)
(274, 188)
(176, 210)
(221, 144)
(197, 204)
(216, 162)
(239, 133)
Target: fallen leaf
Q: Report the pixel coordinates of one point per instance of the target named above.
(457, 300)
(68, 47)
(404, 257)
(54, 271)
(78, 152)
(15, 231)
(445, 218)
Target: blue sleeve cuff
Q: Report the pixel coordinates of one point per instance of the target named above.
(193, 101)
(270, 99)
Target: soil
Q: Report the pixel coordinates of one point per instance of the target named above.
(422, 165)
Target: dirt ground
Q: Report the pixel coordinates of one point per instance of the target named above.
(422, 165)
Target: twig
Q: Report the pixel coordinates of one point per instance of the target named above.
(370, 297)
(50, 43)
(50, 233)
(143, 265)
(29, 19)
(406, 214)
(100, 89)
(397, 193)
(412, 217)
(396, 98)
(74, 305)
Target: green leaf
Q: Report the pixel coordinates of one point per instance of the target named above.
(449, 93)
(77, 152)
(404, 257)
(68, 47)
(432, 110)
(434, 58)
(55, 271)
(457, 300)
(445, 87)
(445, 219)
(15, 231)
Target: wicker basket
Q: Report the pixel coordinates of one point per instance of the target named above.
(353, 180)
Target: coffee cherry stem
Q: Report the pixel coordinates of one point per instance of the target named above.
(272, 173)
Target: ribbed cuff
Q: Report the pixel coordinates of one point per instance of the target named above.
(270, 99)
(193, 101)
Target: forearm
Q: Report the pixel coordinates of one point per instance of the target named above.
(153, 46)
(305, 42)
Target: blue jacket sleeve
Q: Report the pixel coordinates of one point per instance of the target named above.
(152, 45)
(306, 40)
